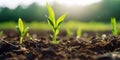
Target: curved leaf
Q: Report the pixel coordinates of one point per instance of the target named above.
(50, 22)
(57, 32)
(18, 29)
(51, 13)
(114, 29)
(20, 25)
(60, 19)
(25, 31)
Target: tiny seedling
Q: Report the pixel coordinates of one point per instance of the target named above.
(69, 32)
(21, 30)
(29, 36)
(1, 33)
(114, 28)
(79, 33)
(55, 24)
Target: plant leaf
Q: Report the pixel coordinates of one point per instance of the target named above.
(113, 23)
(51, 13)
(25, 31)
(79, 32)
(18, 29)
(57, 31)
(59, 25)
(60, 19)
(50, 23)
(20, 25)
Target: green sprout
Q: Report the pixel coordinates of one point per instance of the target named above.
(55, 24)
(1, 33)
(21, 30)
(69, 32)
(79, 33)
(114, 29)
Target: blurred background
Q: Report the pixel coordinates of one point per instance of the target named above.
(82, 13)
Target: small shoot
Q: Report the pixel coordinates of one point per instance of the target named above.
(1, 33)
(69, 32)
(29, 36)
(79, 33)
(114, 28)
(21, 30)
(55, 24)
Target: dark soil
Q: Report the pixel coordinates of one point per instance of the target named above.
(90, 46)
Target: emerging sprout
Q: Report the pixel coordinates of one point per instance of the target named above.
(1, 33)
(114, 29)
(21, 30)
(55, 24)
(79, 33)
(69, 32)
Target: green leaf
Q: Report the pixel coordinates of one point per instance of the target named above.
(57, 32)
(20, 25)
(114, 29)
(79, 32)
(60, 19)
(50, 23)
(18, 29)
(59, 25)
(113, 22)
(51, 13)
(25, 31)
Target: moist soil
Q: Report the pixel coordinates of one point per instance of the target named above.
(90, 46)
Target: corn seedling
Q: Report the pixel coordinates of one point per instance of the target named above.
(55, 24)
(29, 36)
(79, 33)
(114, 29)
(69, 32)
(1, 33)
(21, 30)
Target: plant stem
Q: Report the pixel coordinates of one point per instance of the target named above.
(21, 40)
(54, 38)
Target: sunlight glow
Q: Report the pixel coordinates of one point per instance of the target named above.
(78, 2)
(14, 3)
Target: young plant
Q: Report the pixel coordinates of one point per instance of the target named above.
(21, 30)
(69, 32)
(114, 28)
(55, 24)
(1, 33)
(79, 33)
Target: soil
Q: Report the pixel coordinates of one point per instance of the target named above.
(90, 46)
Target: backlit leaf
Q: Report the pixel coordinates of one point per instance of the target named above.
(25, 31)
(51, 13)
(20, 25)
(114, 29)
(18, 29)
(50, 22)
(60, 19)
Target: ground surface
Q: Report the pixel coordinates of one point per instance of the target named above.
(90, 46)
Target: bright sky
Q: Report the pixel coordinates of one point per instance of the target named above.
(14, 3)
